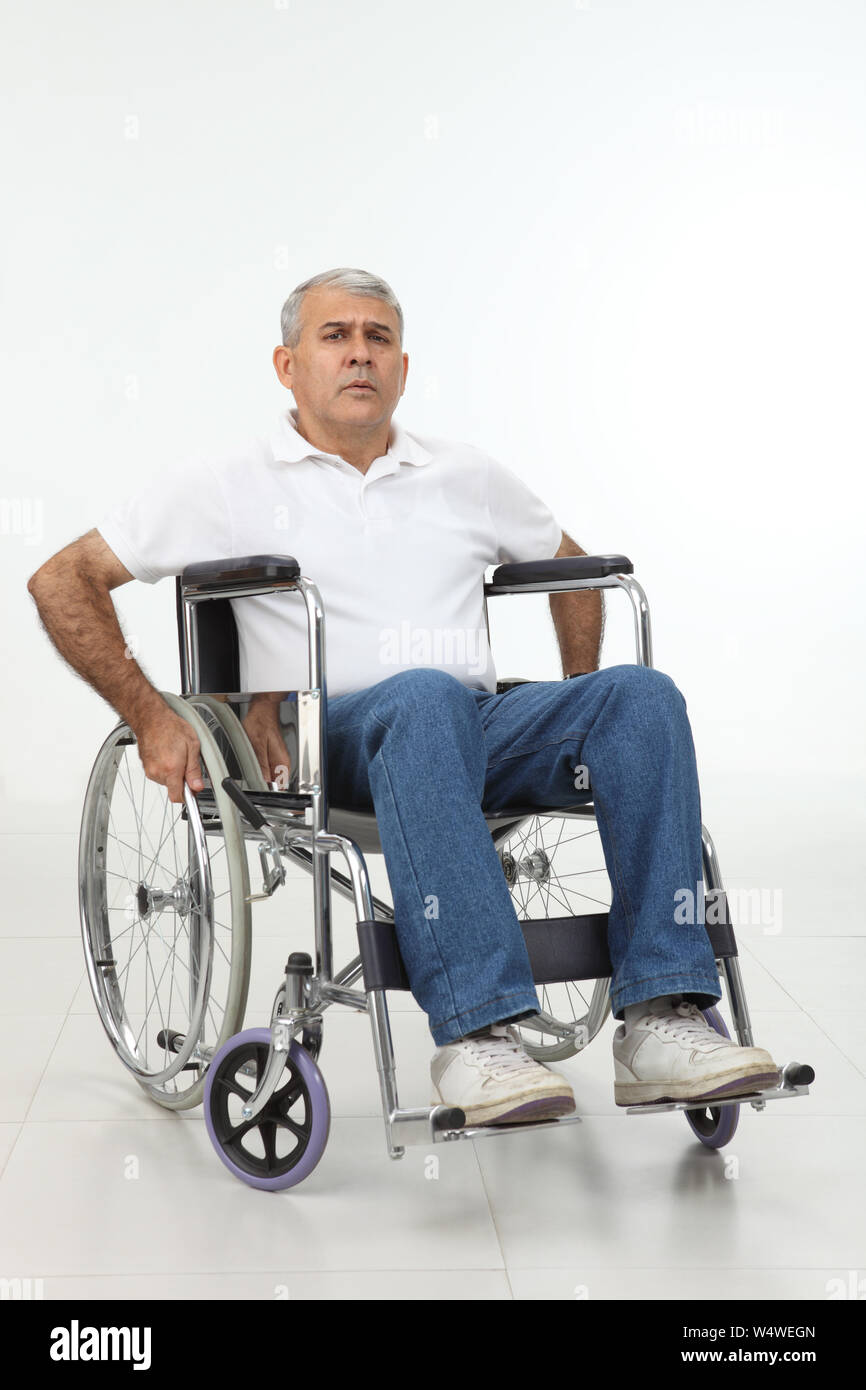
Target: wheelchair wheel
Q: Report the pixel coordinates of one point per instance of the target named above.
(164, 913)
(554, 867)
(282, 1145)
(714, 1126)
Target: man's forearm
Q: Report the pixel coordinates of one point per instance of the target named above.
(579, 620)
(80, 618)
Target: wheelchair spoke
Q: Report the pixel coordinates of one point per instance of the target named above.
(554, 870)
(231, 1084)
(165, 916)
(268, 1131)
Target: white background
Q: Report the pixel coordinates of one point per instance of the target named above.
(628, 242)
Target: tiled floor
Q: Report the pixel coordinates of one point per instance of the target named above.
(104, 1194)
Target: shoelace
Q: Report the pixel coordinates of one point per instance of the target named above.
(502, 1050)
(687, 1022)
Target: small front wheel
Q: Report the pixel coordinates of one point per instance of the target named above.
(715, 1125)
(282, 1145)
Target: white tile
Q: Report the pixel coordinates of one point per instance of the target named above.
(847, 1029)
(387, 1285)
(819, 972)
(85, 1079)
(763, 991)
(40, 885)
(52, 817)
(358, 1210)
(26, 1043)
(838, 1089)
(40, 975)
(82, 999)
(706, 1284)
(633, 1190)
(796, 903)
(8, 1134)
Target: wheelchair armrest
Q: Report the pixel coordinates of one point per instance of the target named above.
(557, 570)
(250, 571)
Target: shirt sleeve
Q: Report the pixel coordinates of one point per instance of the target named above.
(172, 521)
(524, 528)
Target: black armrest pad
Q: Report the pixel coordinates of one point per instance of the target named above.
(252, 568)
(563, 567)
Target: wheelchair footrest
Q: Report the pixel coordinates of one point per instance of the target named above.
(796, 1077)
(447, 1136)
(443, 1124)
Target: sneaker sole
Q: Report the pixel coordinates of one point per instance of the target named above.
(516, 1112)
(740, 1082)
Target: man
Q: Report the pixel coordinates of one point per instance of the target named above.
(397, 532)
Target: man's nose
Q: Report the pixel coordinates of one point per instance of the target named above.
(361, 351)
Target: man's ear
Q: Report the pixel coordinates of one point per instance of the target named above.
(282, 360)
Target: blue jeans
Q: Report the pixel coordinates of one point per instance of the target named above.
(427, 752)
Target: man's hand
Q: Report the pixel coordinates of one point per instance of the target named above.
(170, 753)
(262, 727)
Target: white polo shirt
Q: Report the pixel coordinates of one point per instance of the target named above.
(398, 554)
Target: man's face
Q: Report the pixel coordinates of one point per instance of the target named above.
(344, 338)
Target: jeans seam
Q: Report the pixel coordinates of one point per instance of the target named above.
(430, 934)
(672, 975)
(536, 748)
(512, 994)
(628, 912)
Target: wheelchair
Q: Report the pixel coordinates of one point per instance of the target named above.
(166, 906)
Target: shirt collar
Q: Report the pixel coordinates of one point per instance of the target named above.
(290, 447)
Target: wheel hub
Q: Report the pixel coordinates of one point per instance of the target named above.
(534, 866)
(151, 901)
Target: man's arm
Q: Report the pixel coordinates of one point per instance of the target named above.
(578, 618)
(72, 592)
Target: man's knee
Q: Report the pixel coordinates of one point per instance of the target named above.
(644, 686)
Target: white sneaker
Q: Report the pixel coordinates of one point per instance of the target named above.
(494, 1081)
(674, 1054)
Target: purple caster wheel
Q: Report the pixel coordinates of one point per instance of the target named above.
(714, 1126)
(283, 1144)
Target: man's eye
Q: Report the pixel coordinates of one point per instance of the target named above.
(339, 330)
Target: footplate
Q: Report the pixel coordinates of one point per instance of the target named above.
(446, 1136)
(796, 1079)
(441, 1125)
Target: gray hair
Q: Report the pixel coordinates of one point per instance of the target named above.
(345, 278)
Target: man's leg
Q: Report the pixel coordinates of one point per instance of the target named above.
(412, 747)
(628, 726)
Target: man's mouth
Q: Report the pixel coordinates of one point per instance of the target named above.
(360, 386)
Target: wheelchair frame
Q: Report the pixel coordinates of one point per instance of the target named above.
(300, 825)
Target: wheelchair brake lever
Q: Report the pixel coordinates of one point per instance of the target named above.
(273, 869)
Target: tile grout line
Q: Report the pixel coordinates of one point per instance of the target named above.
(487, 1198)
(48, 1059)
